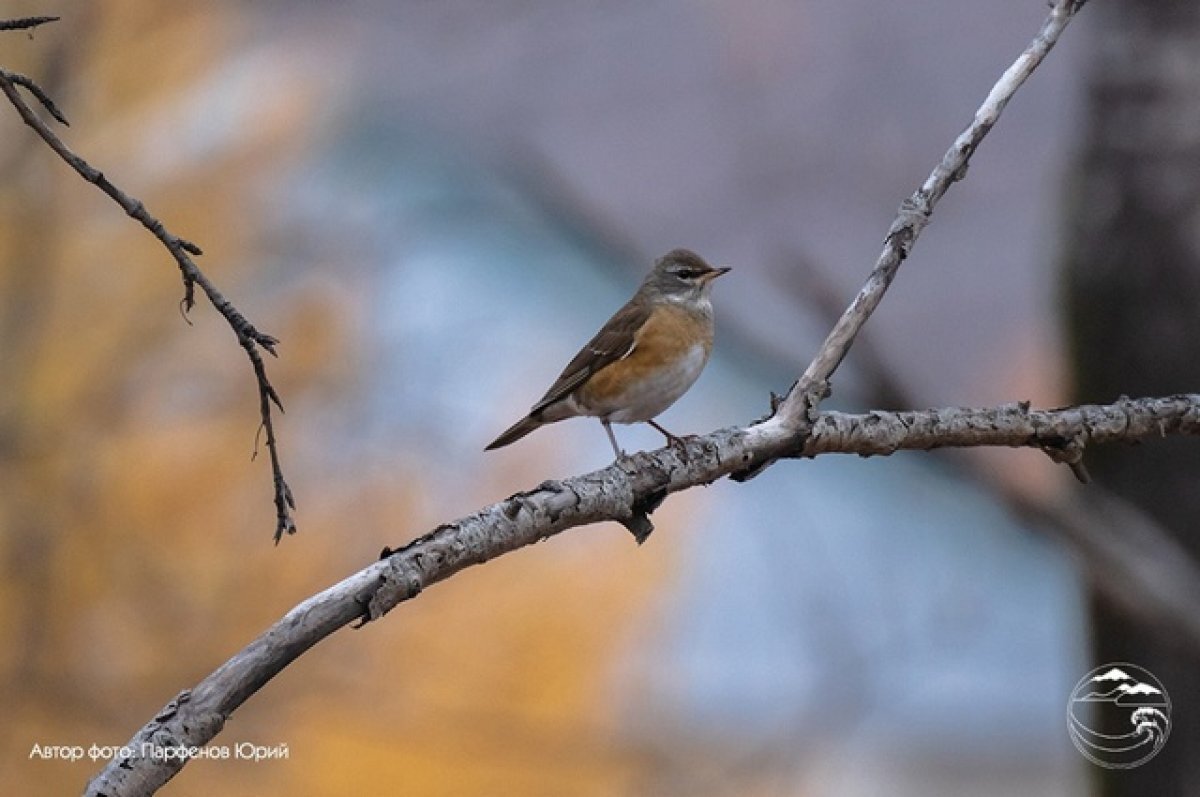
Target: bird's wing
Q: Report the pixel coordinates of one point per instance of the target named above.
(614, 341)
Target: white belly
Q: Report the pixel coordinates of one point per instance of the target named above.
(651, 396)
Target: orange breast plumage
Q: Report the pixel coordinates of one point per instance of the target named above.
(669, 352)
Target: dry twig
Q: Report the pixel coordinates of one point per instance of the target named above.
(252, 340)
(25, 23)
(797, 408)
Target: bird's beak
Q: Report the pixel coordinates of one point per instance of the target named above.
(716, 272)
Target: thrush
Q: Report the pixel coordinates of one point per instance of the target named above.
(642, 360)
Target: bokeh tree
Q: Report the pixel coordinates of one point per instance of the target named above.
(1132, 271)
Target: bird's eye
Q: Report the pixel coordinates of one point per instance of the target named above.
(687, 273)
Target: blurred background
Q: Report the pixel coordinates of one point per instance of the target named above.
(433, 205)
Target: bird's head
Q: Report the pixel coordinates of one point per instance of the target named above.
(682, 275)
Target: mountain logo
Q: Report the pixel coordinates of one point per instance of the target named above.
(1119, 716)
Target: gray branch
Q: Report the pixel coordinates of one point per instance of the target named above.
(914, 215)
(1061, 433)
(627, 488)
(253, 341)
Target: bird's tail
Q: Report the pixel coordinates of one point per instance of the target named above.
(515, 432)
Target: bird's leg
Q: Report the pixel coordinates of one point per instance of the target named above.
(672, 440)
(612, 438)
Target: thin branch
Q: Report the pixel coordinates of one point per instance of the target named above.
(251, 340)
(39, 93)
(796, 410)
(195, 716)
(25, 22)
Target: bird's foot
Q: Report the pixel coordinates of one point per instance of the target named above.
(674, 441)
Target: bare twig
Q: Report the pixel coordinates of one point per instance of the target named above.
(252, 340)
(195, 716)
(25, 23)
(796, 410)
(39, 93)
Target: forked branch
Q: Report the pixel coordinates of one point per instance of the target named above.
(797, 408)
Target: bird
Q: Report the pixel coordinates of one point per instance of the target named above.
(642, 360)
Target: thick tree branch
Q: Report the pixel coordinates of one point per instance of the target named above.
(251, 340)
(1014, 425)
(194, 717)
